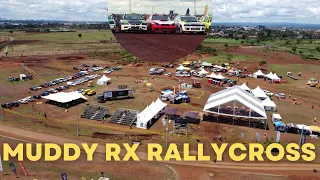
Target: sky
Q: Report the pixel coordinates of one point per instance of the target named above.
(262, 11)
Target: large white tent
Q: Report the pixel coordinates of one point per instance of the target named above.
(206, 64)
(276, 77)
(64, 97)
(220, 103)
(144, 119)
(212, 76)
(269, 105)
(258, 74)
(270, 75)
(220, 77)
(258, 92)
(203, 72)
(245, 87)
(103, 80)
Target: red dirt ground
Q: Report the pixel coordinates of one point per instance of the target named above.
(159, 47)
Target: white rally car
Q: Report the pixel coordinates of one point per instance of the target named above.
(133, 22)
(188, 23)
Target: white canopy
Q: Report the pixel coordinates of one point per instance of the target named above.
(245, 87)
(64, 97)
(270, 75)
(212, 75)
(203, 72)
(206, 64)
(148, 113)
(232, 95)
(103, 80)
(276, 116)
(258, 73)
(220, 76)
(269, 105)
(276, 77)
(258, 92)
(218, 67)
(181, 68)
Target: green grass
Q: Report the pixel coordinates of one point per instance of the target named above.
(294, 68)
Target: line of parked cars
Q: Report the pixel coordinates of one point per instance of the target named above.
(156, 71)
(110, 70)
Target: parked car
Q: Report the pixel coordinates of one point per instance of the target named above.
(268, 93)
(23, 101)
(80, 91)
(75, 68)
(85, 65)
(46, 93)
(280, 95)
(30, 99)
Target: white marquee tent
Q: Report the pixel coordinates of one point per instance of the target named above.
(181, 68)
(245, 87)
(270, 75)
(64, 97)
(145, 117)
(269, 105)
(258, 92)
(258, 74)
(219, 102)
(275, 77)
(212, 76)
(220, 76)
(203, 72)
(103, 80)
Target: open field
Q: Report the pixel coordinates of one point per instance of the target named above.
(54, 56)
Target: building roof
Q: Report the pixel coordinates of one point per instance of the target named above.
(64, 97)
(236, 93)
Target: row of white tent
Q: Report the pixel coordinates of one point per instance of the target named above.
(145, 117)
(272, 76)
(258, 92)
(214, 76)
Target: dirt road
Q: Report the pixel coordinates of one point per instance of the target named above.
(31, 136)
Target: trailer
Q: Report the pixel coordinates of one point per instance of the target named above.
(115, 94)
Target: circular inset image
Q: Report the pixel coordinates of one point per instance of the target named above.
(160, 31)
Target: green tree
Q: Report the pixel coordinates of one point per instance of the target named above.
(10, 31)
(288, 42)
(229, 57)
(226, 45)
(262, 63)
(318, 48)
(299, 41)
(80, 35)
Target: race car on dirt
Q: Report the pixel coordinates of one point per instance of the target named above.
(188, 23)
(132, 22)
(160, 23)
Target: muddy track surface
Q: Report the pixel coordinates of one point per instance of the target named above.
(159, 47)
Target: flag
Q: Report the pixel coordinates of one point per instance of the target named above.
(278, 136)
(64, 176)
(258, 137)
(13, 168)
(23, 169)
(1, 168)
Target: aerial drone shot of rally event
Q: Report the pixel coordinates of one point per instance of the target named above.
(163, 76)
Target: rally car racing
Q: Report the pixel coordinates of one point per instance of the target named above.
(188, 23)
(160, 23)
(133, 22)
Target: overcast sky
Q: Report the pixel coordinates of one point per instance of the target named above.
(300, 11)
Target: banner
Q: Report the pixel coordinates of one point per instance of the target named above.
(258, 137)
(64, 176)
(1, 168)
(13, 168)
(23, 169)
(278, 136)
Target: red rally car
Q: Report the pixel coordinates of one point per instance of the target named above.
(160, 23)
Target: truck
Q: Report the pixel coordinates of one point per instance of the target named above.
(115, 94)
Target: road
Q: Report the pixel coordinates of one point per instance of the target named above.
(32, 136)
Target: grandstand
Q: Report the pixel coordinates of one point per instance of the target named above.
(124, 117)
(96, 113)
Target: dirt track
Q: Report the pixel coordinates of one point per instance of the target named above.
(159, 47)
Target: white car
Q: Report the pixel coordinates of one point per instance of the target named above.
(71, 83)
(268, 93)
(188, 23)
(23, 101)
(133, 22)
(30, 99)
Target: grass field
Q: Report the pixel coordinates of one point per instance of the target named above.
(223, 57)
